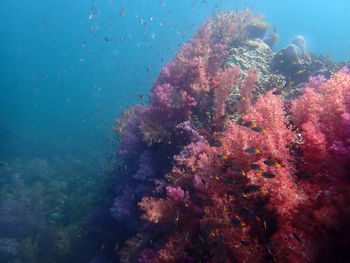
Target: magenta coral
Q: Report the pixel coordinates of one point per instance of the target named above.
(226, 80)
(222, 190)
(320, 115)
(255, 211)
(247, 88)
(272, 187)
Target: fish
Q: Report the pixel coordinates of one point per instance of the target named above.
(239, 170)
(228, 165)
(258, 129)
(220, 235)
(235, 222)
(223, 117)
(245, 243)
(116, 247)
(240, 121)
(217, 144)
(229, 181)
(300, 71)
(181, 147)
(122, 11)
(186, 237)
(269, 250)
(270, 162)
(270, 246)
(221, 156)
(247, 124)
(243, 224)
(206, 229)
(184, 201)
(267, 175)
(278, 92)
(176, 220)
(296, 236)
(44, 21)
(251, 150)
(256, 166)
(252, 188)
(201, 238)
(247, 212)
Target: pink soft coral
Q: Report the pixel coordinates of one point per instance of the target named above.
(320, 115)
(229, 190)
(226, 80)
(273, 187)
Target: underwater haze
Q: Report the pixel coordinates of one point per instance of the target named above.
(81, 181)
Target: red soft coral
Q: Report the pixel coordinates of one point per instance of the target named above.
(272, 187)
(156, 210)
(233, 195)
(272, 141)
(246, 89)
(319, 115)
(226, 80)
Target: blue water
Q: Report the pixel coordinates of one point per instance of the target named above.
(60, 79)
(68, 68)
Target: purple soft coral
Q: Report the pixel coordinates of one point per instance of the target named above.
(122, 206)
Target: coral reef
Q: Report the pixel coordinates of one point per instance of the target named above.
(43, 206)
(293, 59)
(222, 167)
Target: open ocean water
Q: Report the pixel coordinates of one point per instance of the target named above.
(67, 70)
